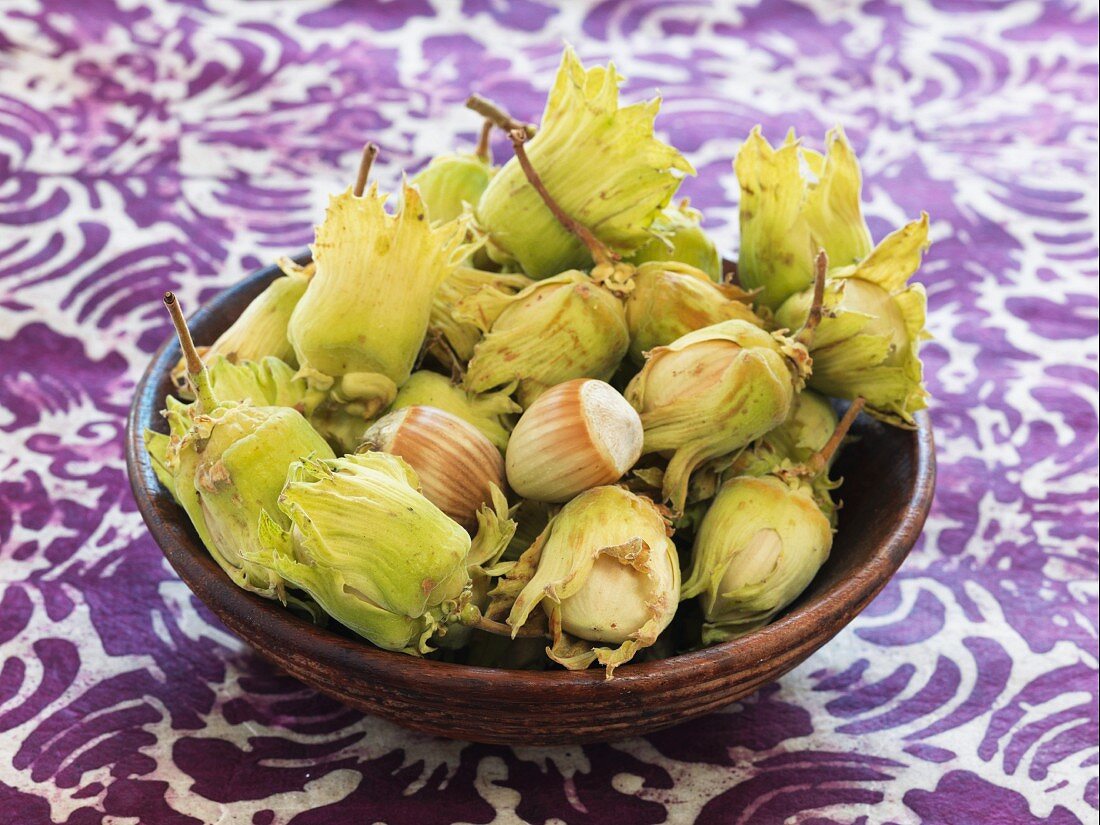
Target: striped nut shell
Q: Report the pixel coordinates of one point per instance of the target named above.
(456, 463)
(577, 435)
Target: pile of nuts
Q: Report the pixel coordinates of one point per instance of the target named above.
(494, 422)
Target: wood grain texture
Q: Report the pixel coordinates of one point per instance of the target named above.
(889, 476)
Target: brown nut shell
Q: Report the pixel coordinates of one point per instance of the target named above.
(456, 463)
(577, 435)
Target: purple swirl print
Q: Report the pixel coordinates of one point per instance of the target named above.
(178, 145)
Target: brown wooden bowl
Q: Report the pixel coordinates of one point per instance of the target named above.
(889, 477)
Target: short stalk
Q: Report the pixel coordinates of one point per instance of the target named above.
(497, 116)
(484, 151)
(196, 370)
(601, 252)
(805, 335)
(820, 460)
(370, 152)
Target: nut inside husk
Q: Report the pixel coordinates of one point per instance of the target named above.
(554, 330)
(672, 299)
(457, 466)
(868, 341)
(712, 392)
(606, 574)
(762, 541)
(579, 434)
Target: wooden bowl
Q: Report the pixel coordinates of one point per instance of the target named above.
(889, 477)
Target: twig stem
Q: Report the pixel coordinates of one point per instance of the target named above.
(813, 318)
(497, 116)
(601, 253)
(484, 150)
(196, 370)
(370, 152)
(820, 460)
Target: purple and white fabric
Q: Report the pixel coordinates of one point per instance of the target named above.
(147, 146)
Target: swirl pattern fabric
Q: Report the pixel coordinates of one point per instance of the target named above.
(152, 146)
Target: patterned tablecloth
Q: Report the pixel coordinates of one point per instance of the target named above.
(147, 146)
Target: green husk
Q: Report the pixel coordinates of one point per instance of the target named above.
(788, 217)
(450, 184)
(600, 161)
(260, 331)
(374, 553)
(359, 328)
(868, 342)
(671, 299)
(606, 574)
(678, 237)
(557, 329)
(806, 429)
(226, 468)
(273, 383)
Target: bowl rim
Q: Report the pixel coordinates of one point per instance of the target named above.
(834, 607)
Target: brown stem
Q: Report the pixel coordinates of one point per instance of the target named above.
(820, 460)
(497, 116)
(601, 253)
(813, 318)
(501, 629)
(195, 368)
(370, 152)
(484, 150)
